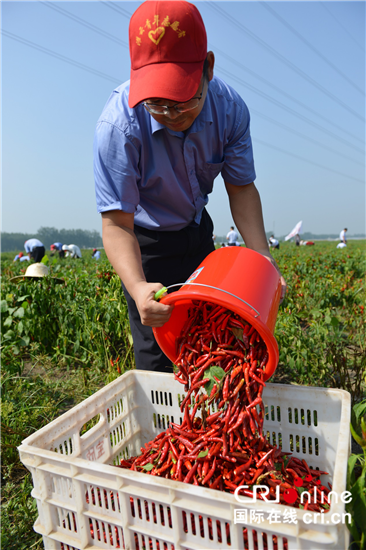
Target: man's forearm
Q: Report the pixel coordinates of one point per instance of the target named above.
(246, 209)
(123, 252)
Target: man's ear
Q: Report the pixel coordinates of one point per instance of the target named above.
(211, 63)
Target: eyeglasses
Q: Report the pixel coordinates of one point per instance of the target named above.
(179, 107)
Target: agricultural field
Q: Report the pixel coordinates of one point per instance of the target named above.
(63, 342)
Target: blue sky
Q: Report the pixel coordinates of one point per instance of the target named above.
(299, 66)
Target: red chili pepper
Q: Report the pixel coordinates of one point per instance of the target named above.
(254, 403)
(215, 483)
(238, 387)
(210, 473)
(225, 391)
(191, 473)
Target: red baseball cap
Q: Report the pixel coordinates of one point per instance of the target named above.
(168, 46)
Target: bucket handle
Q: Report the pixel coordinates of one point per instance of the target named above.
(215, 288)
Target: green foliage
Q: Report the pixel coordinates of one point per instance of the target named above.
(320, 326)
(356, 478)
(83, 321)
(61, 343)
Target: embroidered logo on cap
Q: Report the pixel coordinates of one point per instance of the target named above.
(155, 35)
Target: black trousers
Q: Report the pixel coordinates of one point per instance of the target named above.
(168, 257)
(37, 253)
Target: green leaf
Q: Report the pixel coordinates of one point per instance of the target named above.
(358, 492)
(15, 350)
(202, 454)
(351, 478)
(24, 341)
(3, 306)
(315, 312)
(278, 467)
(359, 409)
(9, 334)
(8, 322)
(19, 312)
(20, 327)
(148, 467)
(356, 437)
(44, 260)
(238, 333)
(214, 370)
(25, 305)
(22, 298)
(334, 322)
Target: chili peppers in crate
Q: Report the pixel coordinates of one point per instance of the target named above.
(85, 502)
(220, 443)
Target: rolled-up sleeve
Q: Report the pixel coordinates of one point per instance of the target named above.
(116, 169)
(238, 168)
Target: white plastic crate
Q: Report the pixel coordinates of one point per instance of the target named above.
(84, 502)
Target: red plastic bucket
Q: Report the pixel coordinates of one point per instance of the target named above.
(239, 279)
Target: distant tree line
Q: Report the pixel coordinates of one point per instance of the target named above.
(48, 235)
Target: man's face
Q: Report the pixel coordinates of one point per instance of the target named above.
(179, 122)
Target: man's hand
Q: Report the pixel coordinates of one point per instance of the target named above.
(152, 313)
(283, 282)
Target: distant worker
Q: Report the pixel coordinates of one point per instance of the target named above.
(232, 237)
(35, 249)
(297, 240)
(96, 254)
(71, 251)
(273, 243)
(342, 235)
(57, 247)
(21, 257)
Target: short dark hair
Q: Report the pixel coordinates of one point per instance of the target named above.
(205, 69)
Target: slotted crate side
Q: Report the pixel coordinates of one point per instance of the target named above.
(142, 402)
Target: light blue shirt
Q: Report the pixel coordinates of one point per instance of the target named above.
(162, 176)
(31, 243)
(58, 246)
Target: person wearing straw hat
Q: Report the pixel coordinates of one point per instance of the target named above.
(34, 272)
(160, 142)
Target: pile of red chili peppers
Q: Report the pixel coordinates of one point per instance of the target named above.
(221, 361)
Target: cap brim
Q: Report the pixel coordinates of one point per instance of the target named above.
(174, 81)
(18, 278)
